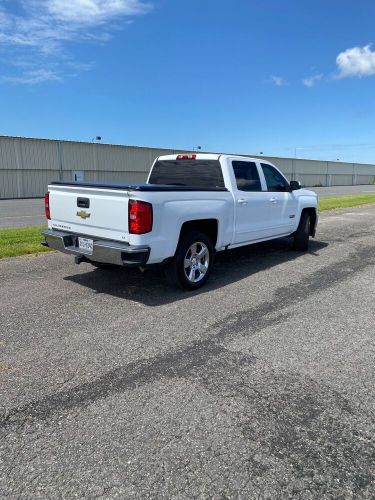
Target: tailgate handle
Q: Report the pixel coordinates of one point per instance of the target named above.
(83, 202)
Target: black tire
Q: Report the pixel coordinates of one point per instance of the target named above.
(302, 235)
(176, 271)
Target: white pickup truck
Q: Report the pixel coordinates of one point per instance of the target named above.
(192, 206)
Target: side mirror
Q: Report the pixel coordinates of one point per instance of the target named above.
(294, 185)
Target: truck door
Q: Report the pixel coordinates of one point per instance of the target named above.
(282, 205)
(252, 203)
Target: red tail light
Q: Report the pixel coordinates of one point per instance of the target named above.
(186, 157)
(140, 217)
(46, 206)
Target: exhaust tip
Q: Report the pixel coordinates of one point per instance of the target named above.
(78, 259)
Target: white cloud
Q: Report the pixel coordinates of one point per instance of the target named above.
(312, 80)
(43, 28)
(278, 81)
(34, 77)
(357, 61)
(94, 12)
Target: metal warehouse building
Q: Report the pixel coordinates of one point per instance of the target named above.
(28, 165)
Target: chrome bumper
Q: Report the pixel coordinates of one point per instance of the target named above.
(104, 251)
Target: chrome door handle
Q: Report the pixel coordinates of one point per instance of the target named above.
(242, 201)
(273, 200)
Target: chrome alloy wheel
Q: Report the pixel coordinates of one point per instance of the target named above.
(196, 262)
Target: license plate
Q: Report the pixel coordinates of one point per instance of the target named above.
(86, 244)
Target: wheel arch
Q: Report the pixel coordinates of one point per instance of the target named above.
(209, 227)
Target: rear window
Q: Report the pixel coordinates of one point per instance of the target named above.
(192, 173)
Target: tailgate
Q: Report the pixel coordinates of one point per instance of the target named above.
(94, 212)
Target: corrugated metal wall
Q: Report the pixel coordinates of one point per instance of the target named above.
(28, 165)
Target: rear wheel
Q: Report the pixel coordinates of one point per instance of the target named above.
(302, 235)
(191, 265)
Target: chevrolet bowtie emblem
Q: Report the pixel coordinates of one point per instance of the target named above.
(83, 214)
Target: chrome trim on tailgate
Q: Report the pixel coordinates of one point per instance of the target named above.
(104, 251)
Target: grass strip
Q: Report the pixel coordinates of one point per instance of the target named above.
(21, 241)
(345, 201)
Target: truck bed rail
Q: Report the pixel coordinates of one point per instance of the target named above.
(136, 187)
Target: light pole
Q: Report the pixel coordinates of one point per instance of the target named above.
(295, 161)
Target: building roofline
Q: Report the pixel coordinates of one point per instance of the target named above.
(292, 158)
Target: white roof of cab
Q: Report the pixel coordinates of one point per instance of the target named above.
(208, 156)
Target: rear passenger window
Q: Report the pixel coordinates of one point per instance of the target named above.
(247, 176)
(275, 181)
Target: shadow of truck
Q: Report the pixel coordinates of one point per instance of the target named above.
(152, 289)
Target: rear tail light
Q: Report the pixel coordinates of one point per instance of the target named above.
(140, 217)
(186, 157)
(46, 206)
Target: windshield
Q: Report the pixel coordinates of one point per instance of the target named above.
(193, 173)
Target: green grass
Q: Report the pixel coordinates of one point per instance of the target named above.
(21, 241)
(346, 201)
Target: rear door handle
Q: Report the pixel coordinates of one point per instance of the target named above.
(273, 200)
(242, 201)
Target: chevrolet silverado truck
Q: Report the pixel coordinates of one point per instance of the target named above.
(192, 206)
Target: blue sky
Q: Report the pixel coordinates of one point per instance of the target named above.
(239, 76)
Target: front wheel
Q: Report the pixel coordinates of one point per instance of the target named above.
(191, 265)
(302, 235)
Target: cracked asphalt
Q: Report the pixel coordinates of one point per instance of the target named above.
(261, 385)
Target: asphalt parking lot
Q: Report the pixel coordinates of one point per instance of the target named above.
(332, 192)
(30, 212)
(22, 213)
(261, 385)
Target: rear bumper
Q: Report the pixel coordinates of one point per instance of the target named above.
(104, 251)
